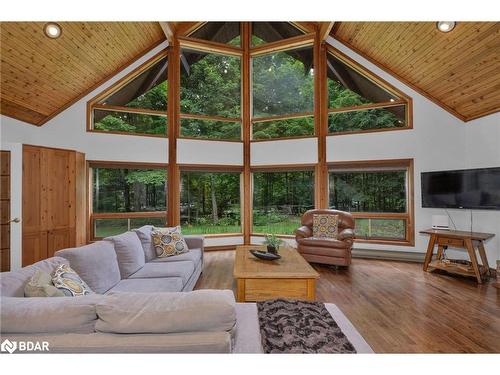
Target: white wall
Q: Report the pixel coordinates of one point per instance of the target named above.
(437, 141)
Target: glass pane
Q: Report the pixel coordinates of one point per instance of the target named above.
(210, 202)
(284, 128)
(147, 91)
(368, 191)
(283, 83)
(220, 32)
(280, 199)
(265, 32)
(128, 190)
(392, 229)
(210, 84)
(210, 129)
(109, 227)
(159, 222)
(379, 118)
(347, 87)
(129, 122)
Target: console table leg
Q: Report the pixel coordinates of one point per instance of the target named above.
(430, 250)
(473, 258)
(484, 258)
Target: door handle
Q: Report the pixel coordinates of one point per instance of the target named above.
(15, 220)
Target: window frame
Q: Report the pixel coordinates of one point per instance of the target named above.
(408, 216)
(209, 47)
(404, 98)
(305, 40)
(92, 216)
(93, 103)
(217, 168)
(277, 168)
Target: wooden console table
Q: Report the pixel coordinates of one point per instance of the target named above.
(459, 239)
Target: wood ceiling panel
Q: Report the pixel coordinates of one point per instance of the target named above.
(459, 70)
(41, 77)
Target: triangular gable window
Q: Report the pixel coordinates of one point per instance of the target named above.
(267, 32)
(220, 32)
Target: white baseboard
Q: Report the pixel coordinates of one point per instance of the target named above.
(407, 256)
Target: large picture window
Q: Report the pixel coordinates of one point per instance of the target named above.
(283, 94)
(378, 195)
(135, 105)
(126, 197)
(210, 94)
(359, 103)
(210, 202)
(279, 200)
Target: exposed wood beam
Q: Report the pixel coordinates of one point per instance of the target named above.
(168, 30)
(324, 29)
(307, 27)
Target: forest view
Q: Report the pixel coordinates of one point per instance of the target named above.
(282, 84)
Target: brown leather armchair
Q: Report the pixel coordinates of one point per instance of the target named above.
(326, 251)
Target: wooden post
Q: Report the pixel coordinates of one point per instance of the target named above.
(246, 133)
(173, 178)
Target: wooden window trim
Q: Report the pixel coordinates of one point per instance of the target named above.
(408, 216)
(282, 117)
(208, 46)
(94, 102)
(404, 99)
(91, 216)
(295, 42)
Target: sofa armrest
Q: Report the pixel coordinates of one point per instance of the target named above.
(196, 242)
(303, 232)
(346, 235)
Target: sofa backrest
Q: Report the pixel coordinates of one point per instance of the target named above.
(12, 283)
(96, 264)
(129, 253)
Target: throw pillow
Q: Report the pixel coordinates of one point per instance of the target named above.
(68, 281)
(168, 241)
(325, 226)
(40, 285)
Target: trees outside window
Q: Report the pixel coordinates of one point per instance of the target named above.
(126, 198)
(279, 200)
(378, 199)
(210, 202)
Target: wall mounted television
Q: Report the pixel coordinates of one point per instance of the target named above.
(465, 188)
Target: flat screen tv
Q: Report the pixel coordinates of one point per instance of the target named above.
(465, 188)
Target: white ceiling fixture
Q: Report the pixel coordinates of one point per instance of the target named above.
(446, 26)
(52, 30)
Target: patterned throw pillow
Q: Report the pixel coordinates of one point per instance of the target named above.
(168, 242)
(325, 226)
(40, 285)
(68, 281)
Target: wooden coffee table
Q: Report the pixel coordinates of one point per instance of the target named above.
(288, 277)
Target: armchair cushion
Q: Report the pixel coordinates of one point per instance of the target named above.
(346, 234)
(324, 242)
(303, 232)
(325, 226)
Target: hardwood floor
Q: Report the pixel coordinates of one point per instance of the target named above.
(396, 306)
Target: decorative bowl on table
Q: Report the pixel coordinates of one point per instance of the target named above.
(264, 255)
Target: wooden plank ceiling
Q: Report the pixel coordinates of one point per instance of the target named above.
(41, 76)
(459, 70)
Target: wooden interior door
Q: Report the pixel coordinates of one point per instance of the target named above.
(5, 211)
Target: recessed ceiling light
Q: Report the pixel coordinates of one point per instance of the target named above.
(446, 26)
(52, 30)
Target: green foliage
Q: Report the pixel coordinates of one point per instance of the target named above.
(131, 122)
(273, 240)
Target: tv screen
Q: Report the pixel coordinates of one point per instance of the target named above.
(465, 188)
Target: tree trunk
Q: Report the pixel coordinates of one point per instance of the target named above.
(215, 213)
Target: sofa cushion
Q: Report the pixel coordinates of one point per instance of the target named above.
(168, 284)
(167, 312)
(184, 270)
(193, 255)
(12, 283)
(144, 234)
(43, 315)
(67, 280)
(95, 263)
(325, 226)
(40, 285)
(168, 241)
(129, 252)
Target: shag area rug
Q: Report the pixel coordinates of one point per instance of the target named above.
(289, 326)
